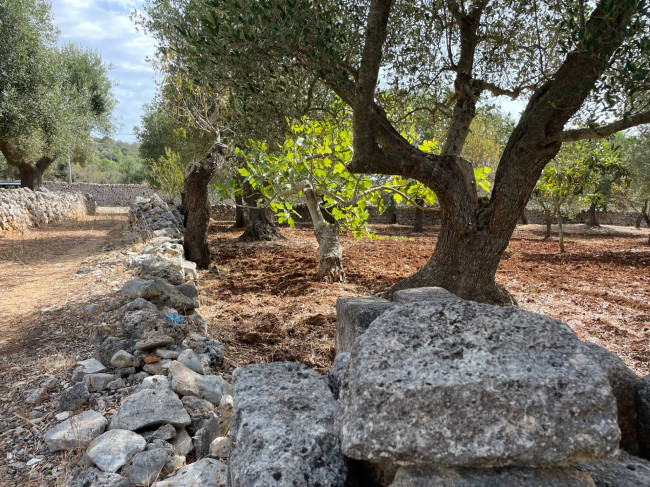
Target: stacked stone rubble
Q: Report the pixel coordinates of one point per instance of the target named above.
(153, 352)
(22, 208)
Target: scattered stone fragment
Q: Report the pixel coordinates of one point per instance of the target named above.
(152, 341)
(111, 345)
(353, 317)
(625, 471)
(36, 396)
(156, 382)
(165, 432)
(114, 448)
(204, 473)
(158, 368)
(221, 447)
(74, 397)
(116, 384)
(139, 288)
(421, 294)
(210, 346)
(205, 436)
(186, 382)
(459, 383)
(166, 353)
(93, 477)
(62, 416)
(91, 366)
(182, 442)
(486, 477)
(192, 361)
(98, 382)
(136, 305)
(199, 410)
(76, 432)
(150, 407)
(283, 428)
(122, 359)
(145, 467)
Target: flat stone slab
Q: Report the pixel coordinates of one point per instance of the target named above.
(91, 366)
(625, 471)
(187, 382)
(204, 473)
(113, 449)
(76, 432)
(283, 429)
(459, 383)
(502, 477)
(353, 317)
(150, 407)
(145, 467)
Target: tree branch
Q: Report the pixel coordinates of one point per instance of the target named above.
(601, 131)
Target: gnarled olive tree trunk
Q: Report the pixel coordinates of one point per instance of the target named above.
(31, 173)
(260, 226)
(197, 199)
(241, 213)
(591, 216)
(330, 253)
(418, 224)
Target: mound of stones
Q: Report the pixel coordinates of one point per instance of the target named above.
(20, 208)
(154, 362)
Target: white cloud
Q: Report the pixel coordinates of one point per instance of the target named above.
(105, 26)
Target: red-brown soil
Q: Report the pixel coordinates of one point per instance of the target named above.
(263, 303)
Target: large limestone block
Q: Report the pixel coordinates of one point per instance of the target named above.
(459, 383)
(625, 471)
(353, 317)
(420, 294)
(113, 449)
(76, 432)
(148, 408)
(283, 429)
(502, 477)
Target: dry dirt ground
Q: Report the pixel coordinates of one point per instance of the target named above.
(48, 277)
(264, 305)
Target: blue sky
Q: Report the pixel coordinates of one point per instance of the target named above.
(105, 26)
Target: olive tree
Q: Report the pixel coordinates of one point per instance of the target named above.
(572, 60)
(52, 99)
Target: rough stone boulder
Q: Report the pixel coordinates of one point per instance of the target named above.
(459, 383)
(502, 477)
(283, 429)
(148, 408)
(338, 374)
(76, 432)
(113, 449)
(186, 382)
(642, 396)
(93, 477)
(353, 317)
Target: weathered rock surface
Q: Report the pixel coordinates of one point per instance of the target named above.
(182, 442)
(283, 428)
(91, 366)
(458, 383)
(93, 477)
(76, 432)
(205, 345)
(338, 373)
(152, 341)
(625, 471)
(122, 359)
(204, 473)
(145, 467)
(502, 477)
(642, 396)
(623, 381)
(156, 382)
(205, 436)
(353, 317)
(113, 449)
(192, 361)
(186, 382)
(74, 397)
(199, 410)
(98, 382)
(150, 407)
(422, 294)
(221, 447)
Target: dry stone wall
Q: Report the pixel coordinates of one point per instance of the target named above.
(20, 208)
(105, 194)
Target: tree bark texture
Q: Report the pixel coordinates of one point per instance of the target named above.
(591, 216)
(522, 217)
(241, 213)
(330, 252)
(418, 224)
(31, 173)
(197, 199)
(260, 226)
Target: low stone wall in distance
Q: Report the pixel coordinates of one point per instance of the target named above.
(105, 194)
(23, 207)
